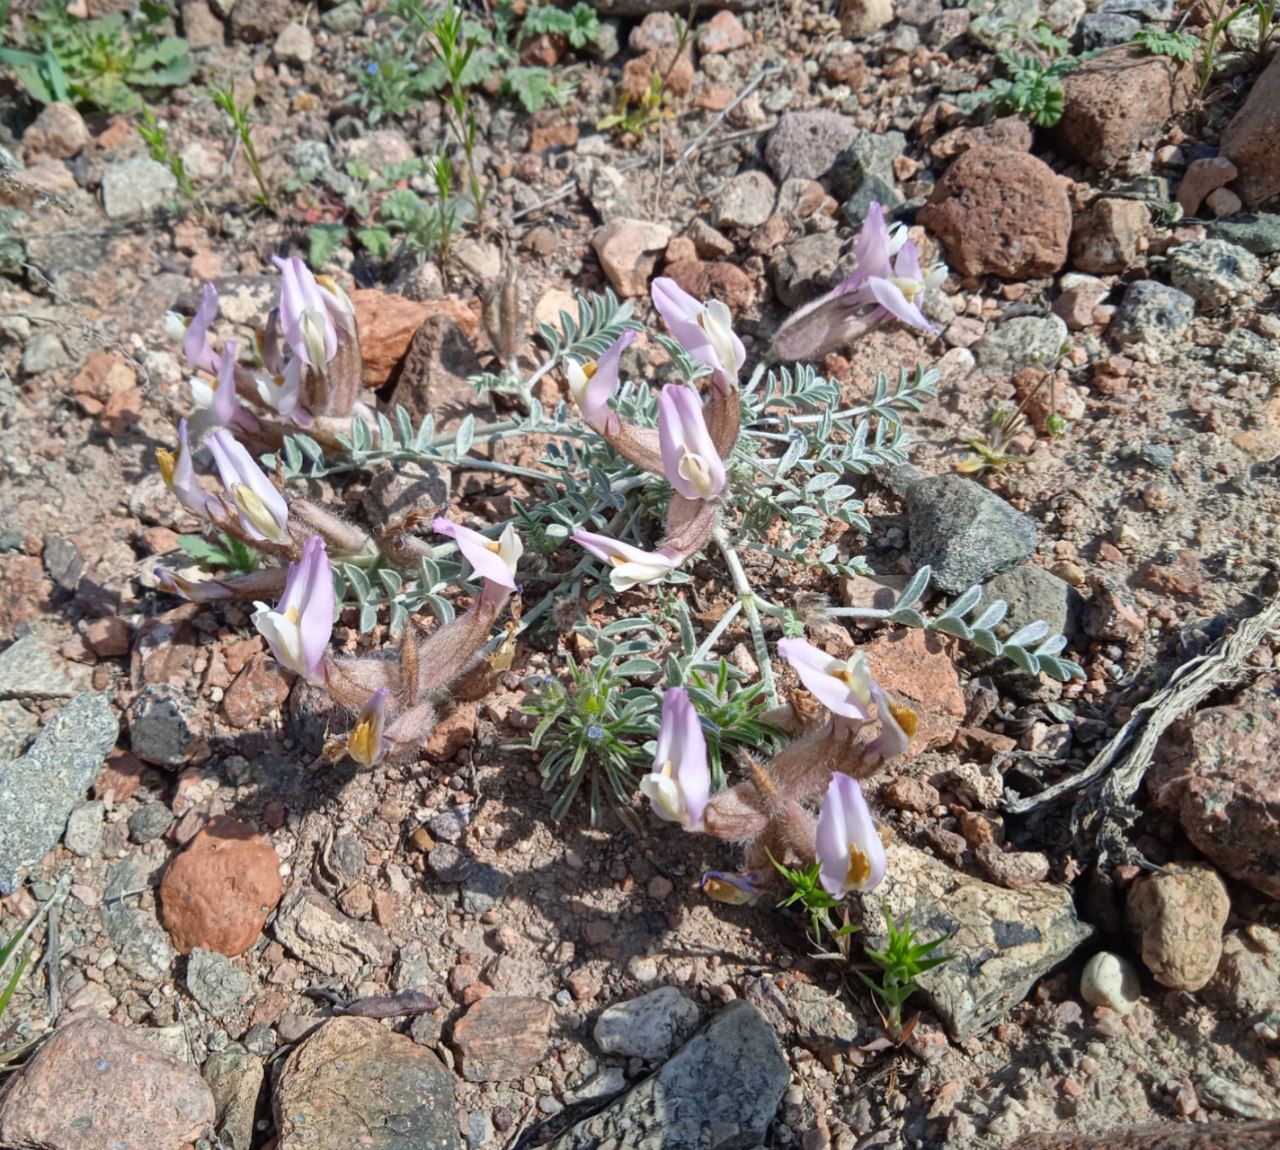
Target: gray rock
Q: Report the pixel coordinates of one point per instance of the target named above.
(1152, 313)
(216, 983)
(647, 1027)
(28, 671)
(1146, 10)
(149, 822)
(964, 532)
(1214, 272)
(745, 202)
(259, 1039)
(235, 1077)
(607, 1083)
(1034, 593)
(393, 491)
(806, 144)
(483, 888)
(870, 156)
(84, 829)
(18, 727)
(874, 190)
(1002, 25)
(1020, 341)
(449, 825)
(352, 1083)
(295, 44)
(809, 266)
(46, 352)
(1245, 350)
(324, 938)
(448, 863)
(136, 186)
(140, 941)
(1258, 233)
(718, 1092)
(1000, 941)
(1100, 30)
(39, 790)
(344, 19)
(162, 725)
(63, 562)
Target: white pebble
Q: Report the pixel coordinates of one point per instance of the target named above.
(1109, 980)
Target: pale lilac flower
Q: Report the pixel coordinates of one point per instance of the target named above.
(850, 853)
(365, 744)
(263, 511)
(180, 475)
(632, 566)
(593, 384)
(493, 560)
(843, 686)
(679, 786)
(195, 338)
(305, 317)
(705, 331)
(298, 630)
(897, 725)
(220, 396)
(689, 458)
(202, 591)
(283, 392)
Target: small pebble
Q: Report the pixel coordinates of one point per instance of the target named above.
(1109, 980)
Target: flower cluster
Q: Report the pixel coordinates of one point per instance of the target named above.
(311, 353)
(696, 436)
(770, 814)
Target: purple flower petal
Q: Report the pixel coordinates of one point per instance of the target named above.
(479, 552)
(689, 458)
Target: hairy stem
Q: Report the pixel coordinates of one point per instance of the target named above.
(752, 612)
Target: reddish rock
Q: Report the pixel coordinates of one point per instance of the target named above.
(1219, 773)
(1016, 870)
(435, 376)
(723, 33)
(1203, 176)
(502, 1037)
(655, 40)
(1002, 212)
(1252, 139)
(1012, 132)
(120, 777)
(96, 1086)
(1178, 919)
(715, 279)
(1077, 304)
(914, 667)
(108, 637)
(453, 733)
(388, 322)
(557, 133)
(217, 894)
(981, 745)
(1264, 1135)
(904, 794)
(261, 687)
(59, 132)
(1108, 235)
(24, 592)
(1118, 100)
(628, 251)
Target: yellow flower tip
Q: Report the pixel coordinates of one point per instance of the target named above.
(727, 892)
(328, 283)
(589, 368)
(859, 868)
(256, 511)
(168, 464)
(905, 717)
(361, 743)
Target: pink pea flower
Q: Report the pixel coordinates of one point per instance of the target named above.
(195, 338)
(689, 458)
(632, 566)
(298, 629)
(494, 561)
(850, 853)
(180, 475)
(592, 384)
(264, 514)
(844, 686)
(220, 396)
(305, 316)
(704, 330)
(679, 786)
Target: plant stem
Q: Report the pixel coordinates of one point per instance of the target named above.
(743, 587)
(719, 629)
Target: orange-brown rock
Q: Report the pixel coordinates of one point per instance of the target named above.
(1118, 101)
(1002, 212)
(714, 279)
(914, 667)
(387, 323)
(217, 894)
(1252, 139)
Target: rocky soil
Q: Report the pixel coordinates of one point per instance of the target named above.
(256, 948)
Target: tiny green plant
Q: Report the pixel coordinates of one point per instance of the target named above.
(1175, 44)
(900, 963)
(100, 62)
(225, 98)
(157, 140)
(636, 118)
(591, 727)
(1032, 84)
(388, 84)
(808, 892)
(226, 554)
(1220, 15)
(991, 452)
(579, 25)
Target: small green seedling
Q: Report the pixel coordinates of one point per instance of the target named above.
(226, 554)
(157, 140)
(225, 98)
(901, 962)
(808, 892)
